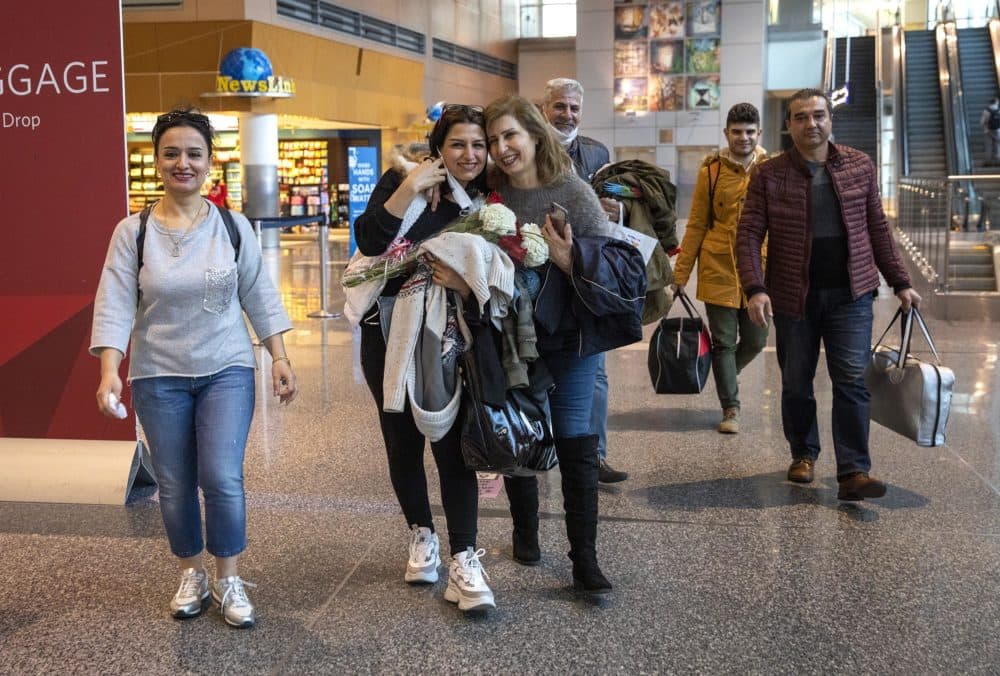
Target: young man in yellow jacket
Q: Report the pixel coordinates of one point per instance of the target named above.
(710, 239)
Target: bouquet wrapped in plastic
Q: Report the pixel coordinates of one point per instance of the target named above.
(493, 221)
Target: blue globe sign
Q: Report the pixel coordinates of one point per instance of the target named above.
(246, 71)
(434, 111)
(246, 63)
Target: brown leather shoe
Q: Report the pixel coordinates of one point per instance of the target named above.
(730, 421)
(858, 486)
(801, 471)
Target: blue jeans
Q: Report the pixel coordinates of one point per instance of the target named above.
(845, 327)
(599, 410)
(197, 432)
(573, 396)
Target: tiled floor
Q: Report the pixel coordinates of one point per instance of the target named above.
(719, 564)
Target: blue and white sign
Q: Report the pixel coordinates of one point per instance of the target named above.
(362, 173)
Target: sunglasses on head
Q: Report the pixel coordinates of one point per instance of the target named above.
(182, 115)
(462, 108)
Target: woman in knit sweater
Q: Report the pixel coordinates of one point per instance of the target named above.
(532, 172)
(458, 148)
(178, 291)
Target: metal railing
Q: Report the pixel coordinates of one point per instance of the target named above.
(929, 210)
(322, 240)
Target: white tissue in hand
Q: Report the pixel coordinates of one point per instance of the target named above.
(116, 406)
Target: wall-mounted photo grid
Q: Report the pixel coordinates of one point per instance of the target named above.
(667, 55)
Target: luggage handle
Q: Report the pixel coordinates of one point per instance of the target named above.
(907, 329)
(687, 304)
(915, 314)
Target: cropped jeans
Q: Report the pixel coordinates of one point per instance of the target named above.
(599, 410)
(844, 325)
(197, 432)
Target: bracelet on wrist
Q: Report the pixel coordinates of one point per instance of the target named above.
(274, 359)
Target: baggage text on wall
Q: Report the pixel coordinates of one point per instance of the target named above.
(73, 77)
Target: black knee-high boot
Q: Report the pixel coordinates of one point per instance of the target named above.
(522, 492)
(579, 464)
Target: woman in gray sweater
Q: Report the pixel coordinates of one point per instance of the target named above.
(533, 172)
(177, 290)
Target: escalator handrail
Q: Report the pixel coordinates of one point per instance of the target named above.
(994, 28)
(899, 105)
(829, 59)
(944, 80)
(969, 205)
(963, 158)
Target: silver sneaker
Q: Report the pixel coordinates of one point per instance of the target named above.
(231, 595)
(425, 556)
(467, 582)
(192, 596)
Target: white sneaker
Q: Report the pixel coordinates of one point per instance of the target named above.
(192, 595)
(467, 582)
(425, 556)
(231, 595)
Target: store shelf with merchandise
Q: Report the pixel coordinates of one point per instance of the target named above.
(226, 167)
(144, 186)
(303, 178)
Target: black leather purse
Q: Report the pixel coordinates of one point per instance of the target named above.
(513, 437)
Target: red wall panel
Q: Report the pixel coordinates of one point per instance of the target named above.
(62, 190)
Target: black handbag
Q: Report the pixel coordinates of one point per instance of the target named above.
(514, 438)
(680, 352)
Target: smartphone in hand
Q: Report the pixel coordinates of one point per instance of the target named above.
(557, 214)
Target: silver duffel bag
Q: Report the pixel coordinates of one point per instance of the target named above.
(909, 396)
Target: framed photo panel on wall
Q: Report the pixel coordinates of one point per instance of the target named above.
(666, 56)
(666, 20)
(703, 55)
(703, 17)
(631, 58)
(666, 92)
(631, 94)
(703, 92)
(630, 22)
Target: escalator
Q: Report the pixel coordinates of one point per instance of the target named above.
(855, 123)
(979, 83)
(925, 147)
(943, 81)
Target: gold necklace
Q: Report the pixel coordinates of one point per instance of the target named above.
(175, 251)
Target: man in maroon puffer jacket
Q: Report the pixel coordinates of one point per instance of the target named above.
(828, 239)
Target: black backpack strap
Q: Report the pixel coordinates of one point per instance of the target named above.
(227, 217)
(711, 190)
(140, 238)
(234, 232)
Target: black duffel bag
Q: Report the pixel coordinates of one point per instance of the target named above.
(680, 352)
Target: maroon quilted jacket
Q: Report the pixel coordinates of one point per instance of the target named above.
(777, 205)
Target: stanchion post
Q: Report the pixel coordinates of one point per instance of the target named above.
(324, 270)
(257, 228)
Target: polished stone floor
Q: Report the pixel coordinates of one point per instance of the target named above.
(719, 564)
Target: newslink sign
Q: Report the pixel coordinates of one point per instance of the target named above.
(246, 71)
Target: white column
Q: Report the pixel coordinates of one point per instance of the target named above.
(259, 155)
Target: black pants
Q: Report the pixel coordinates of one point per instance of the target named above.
(404, 444)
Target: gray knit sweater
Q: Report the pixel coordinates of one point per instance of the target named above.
(585, 215)
(189, 320)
